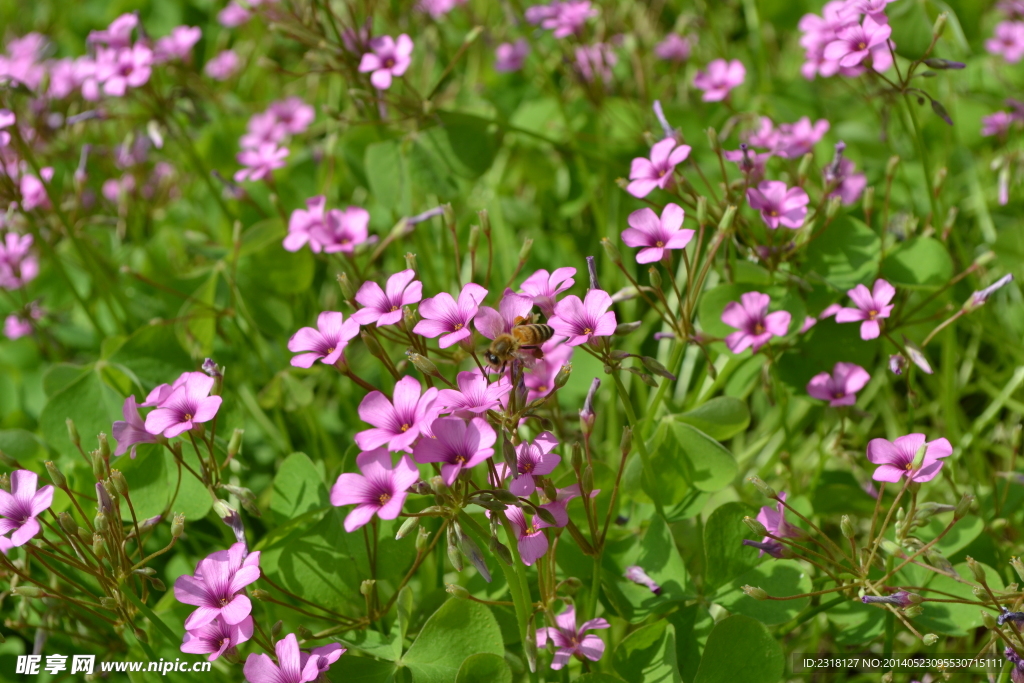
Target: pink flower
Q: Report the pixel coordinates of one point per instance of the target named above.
(510, 56)
(1008, 41)
(530, 538)
(302, 223)
(327, 342)
(126, 68)
(563, 18)
(443, 315)
(719, 78)
(21, 507)
(260, 668)
(750, 163)
(637, 575)
(491, 323)
(217, 637)
(544, 287)
(674, 48)
(292, 114)
(380, 490)
(18, 265)
(848, 185)
(559, 507)
(178, 45)
(132, 430)
(571, 641)
(161, 392)
(656, 235)
(533, 459)
(645, 175)
(581, 321)
(474, 395)
(438, 8)
(456, 444)
(260, 162)
(996, 124)
(797, 139)
(223, 66)
(216, 587)
(342, 230)
(596, 61)
(873, 8)
(262, 128)
(778, 204)
(856, 43)
(895, 459)
(839, 388)
(33, 191)
(16, 327)
(774, 521)
(188, 405)
(233, 15)
(397, 426)
(754, 324)
(819, 31)
(386, 59)
(119, 33)
(872, 306)
(540, 379)
(384, 307)
(327, 654)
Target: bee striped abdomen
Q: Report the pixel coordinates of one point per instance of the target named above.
(533, 335)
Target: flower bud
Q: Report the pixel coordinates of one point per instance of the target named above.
(654, 277)
(562, 376)
(626, 443)
(177, 525)
(755, 592)
(611, 251)
(68, 524)
(846, 526)
(235, 444)
(119, 483)
(897, 363)
(58, 479)
(832, 208)
(939, 180)
(407, 527)
(506, 497)
(245, 497)
(977, 570)
(913, 611)
(716, 145)
(587, 481)
(524, 253)
(702, 210)
(99, 466)
(84, 536)
(449, 215)
(764, 488)
(108, 603)
(756, 527)
(28, 592)
(727, 218)
(455, 557)
(347, 289)
(474, 237)
(8, 461)
(372, 345)
(571, 585)
(275, 630)
(592, 273)
(104, 446)
(867, 201)
(622, 329)
(73, 432)
(508, 451)
(305, 633)
(1018, 567)
(963, 507)
(939, 26)
(485, 221)
(546, 514)
(919, 457)
(501, 551)
(890, 166)
(657, 368)
(942, 64)
(988, 619)
(100, 522)
(366, 587)
(979, 592)
(423, 364)
(99, 547)
(587, 414)
(457, 591)
(422, 540)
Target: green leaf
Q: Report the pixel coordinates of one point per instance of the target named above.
(856, 622)
(197, 323)
(352, 669)
(153, 355)
(375, 644)
(721, 418)
(838, 492)
(958, 538)
(740, 649)
(693, 623)
(298, 489)
(385, 172)
(90, 403)
(705, 463)
(21, 445)
(724, 533)
(458, 629)
(952, 618)
(910, 21)
(467, 143)
(920, 263)
(845, 254)
(780, 578)
(598, 678)
(152, 478)
(484, 668)
(60, 375)
(648, 655)
(819, 350)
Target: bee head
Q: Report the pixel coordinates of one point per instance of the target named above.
(493, 359)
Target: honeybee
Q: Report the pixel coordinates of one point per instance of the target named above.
(525, 335)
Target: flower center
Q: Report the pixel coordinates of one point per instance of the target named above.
(542, 389)
(393, 309)
(406, 426)
(330, 350)
(389, 62)
(872, 314)
(527, 468)
(457, 326)
(461, 459)
(862, 45)
(773, 213)
(188, 417)
(530, 530)
(909, 466)
(384, 498)
(838, 394)
(225, 601)
(587, 330)
(659, 243)
(758, 328)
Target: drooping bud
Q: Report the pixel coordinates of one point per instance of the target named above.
(587, 414)
(454, 554)
(897, 363)
(457, 591)
(347, 290)
(73, 432)
(275, 630)
(846, 526)
(592, 271)
(756, 527)
(755, 592)
(572, 585)
(764, 488)
(622, 329)
(28, 592)
(407, 527)
(977, 570)
(58, 479)
(423, 364)
(245, 497)
(501, 551)
(637, 575)
(963, 507)
(372, 345)
(657, 368)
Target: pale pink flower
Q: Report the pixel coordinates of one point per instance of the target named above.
(233, 15)
(563, 18)
(794, 140)
(396, 425)
(895, 459)
(18, 265)
(449, 319)
(292, 114)
(778, 204)
(540, 379)
(582, 321)
(856, 43)
(754, 324)
(474, 395)
(387, 58)
(719, 78)
(841, 387)
(132, 430)
(384, 306)
(342, 230)
(326, 343)
(260, 162)
(456, 444)
(119, 33)
(33, 191)
(544, 287)
(223, 66)
(260, 668)
(996, 124)
(656, 235)
(21, 508)
(188, 405)
(16, 327)
(438, 8)
(647, 174)
(380, 490)
(571, 641)
(510, 56)
(534, 458)
(178, 45)
(217, 637)
(1008, 41)
(674, 48)
(302, 223)
(512, 307)
(595, 62)
(216, 589)
(872, 306)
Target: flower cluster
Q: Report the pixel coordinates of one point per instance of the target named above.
(330, 231)
(848, 38)
(562, 17)
(266, 134)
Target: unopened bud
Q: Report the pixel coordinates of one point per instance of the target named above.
(727, 218)
(28, 592)
(626, 443)
(501, 551)
(449, 215)
(592, 273)
(654, 276)
(84, 536)
(846, 526)
(73, 432)
(455, 557)
(657, 368)
(562, 376)
(235, 444)
(977, 569)
(919, 457)
(485, 221)
(755, 592)
(702, 210)
(276, 629)
(366, 587)
(260, 594)
(611, 251)
(407, 527)
(524, 253)
(474, 237)
(546, 515)
(756, 527)
(764, 488)
(576, 459)
(177, 525)
(832, 208)
(347, 290)
(457, 591)
(506, 497)
(100, 522)
(963, 507)
(868, 200)
(119, 483)
(508, 452)
(587, 481)
(108, 603)
(943, 64)
(939, 180)
(571, 585)
(805, 165)
(157, 584)
(245, 497)
(890, 166)
(104, 446)
(422, 540)
(410, 261)
(372, 345)
(423, 364)
(305, 633)
(913, 611)
(939, 26)
(988, 619)
(99, 547)
(68, 524)
(622, 329)
(1018, 567)
(58, 479)
(530, 646)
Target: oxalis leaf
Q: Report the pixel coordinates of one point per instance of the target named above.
(458, 629)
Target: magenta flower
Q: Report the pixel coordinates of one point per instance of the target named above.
(839, 388)
(388, 58)
(33, 191)
(443, 315)
(895, 459)
(512, 307)
(380, 490)
(118, 34)
(540, 379)
(161, 392)
(178, 45)
(327, 654)
(327, 342)
(581, 321)
(637, 575)
(559, 507)
(384, 307)
(396, 426)
(438, 8)
(530, 538)
(342, 230)
(510, 56)
(188, 405)
(754, 324)
(596, 61)
(563, 18)
(719, 78)
(848, 185)
(21, 507)
(571, 641)
(16, 327)
(217, 637)
(233, 15)
(647, 174)
(1008, 41)
(474, 395)
(656, 235)
(303, 222)
(260, 668)
(544, 287)
(856, 43)
(124, 68)
(534, 458)
(872, 306)
(132, 430)
(750, 163)
(18, 265)
(292, 114)
(793, 140)
(873, 8)
(223, 66)
(778, 204)
(774, 521)
(674, 48)
(996, 124)
(457, 444)
(260, 162)
(262, 128)
(216, 587)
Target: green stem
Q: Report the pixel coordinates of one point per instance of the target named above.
(926, 166)
(639, 441)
